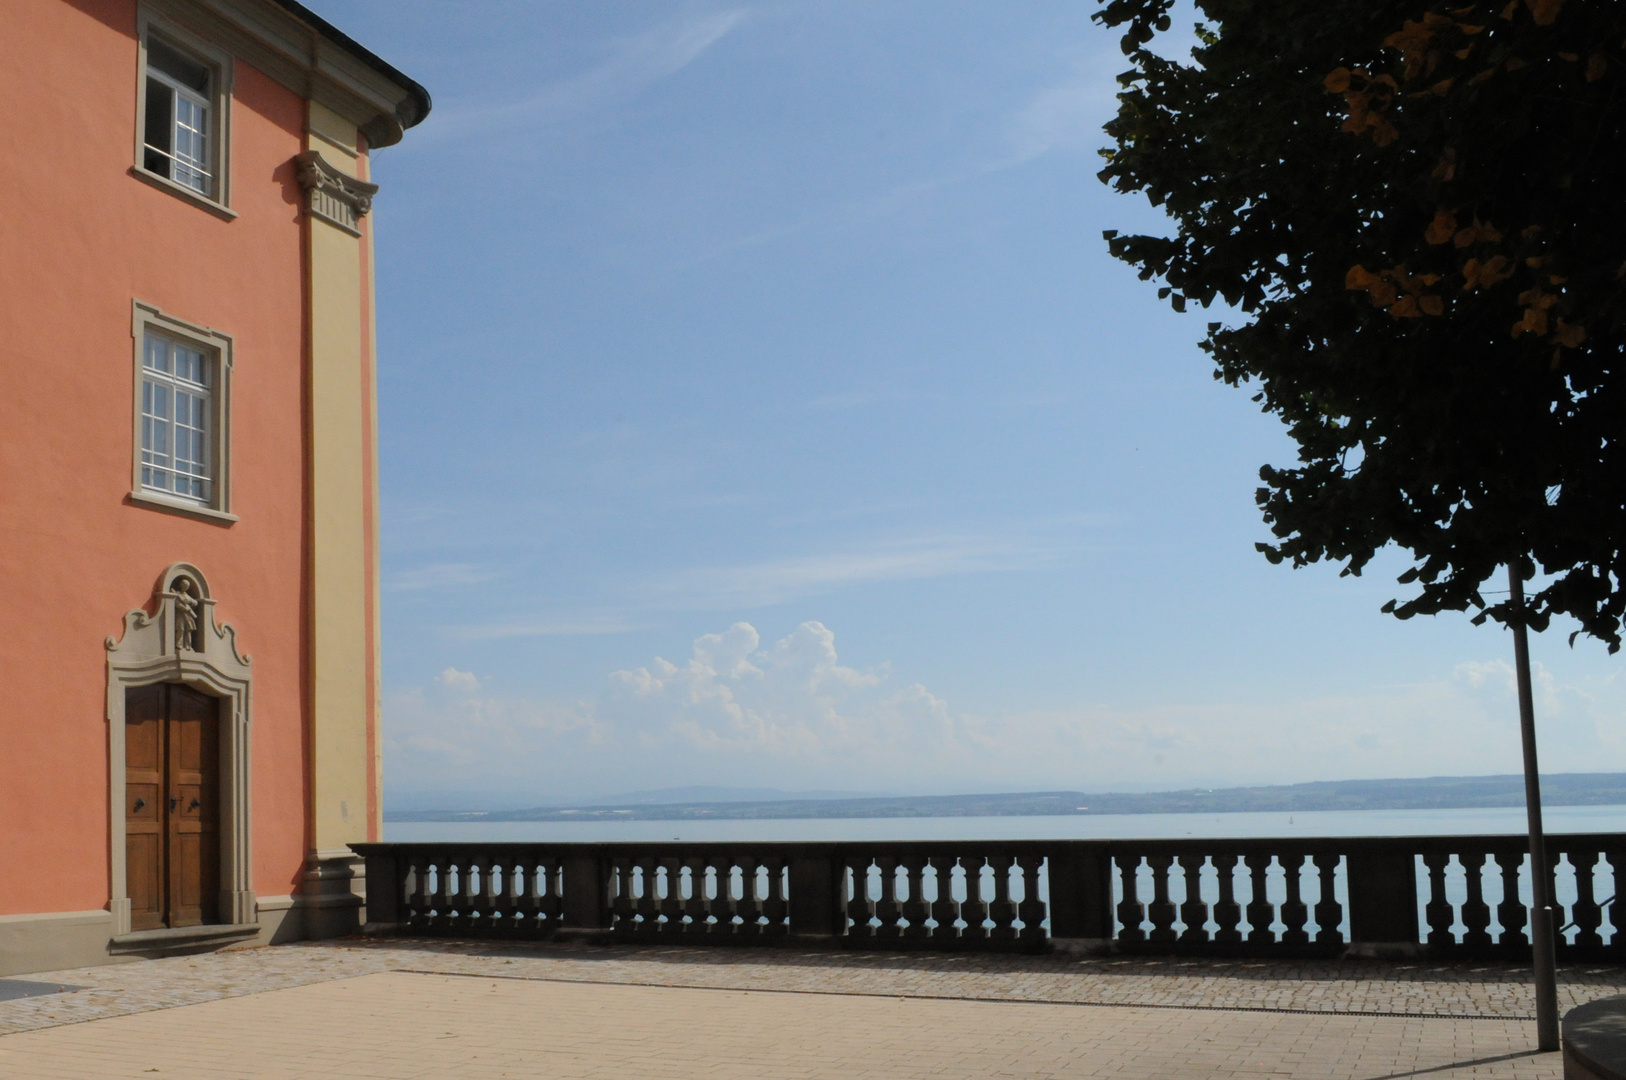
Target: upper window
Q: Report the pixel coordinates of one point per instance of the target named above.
(177, 129)
(182, 416)
(182, 131)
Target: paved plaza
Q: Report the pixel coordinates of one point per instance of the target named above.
(400, 1009)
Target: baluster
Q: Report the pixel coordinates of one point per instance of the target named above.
(887, 909)
(1329, 913)
(1295, 914)
(1227, 912)
(1476, 914)
(749, 907)
(859, 906)
(624, 904)
(1131, 911)
(528, 896)
(945, 909)
(463, 901)
(1032, 909)
(556, 890)
(977, 909)
(1193, 910)
(695, 905)
(1003, 910)
(774, 905)
(663, 874)
(457, 880)
(1161, 910)
(419, 902)
(1511, 912)
(1587, 915)
(916, 909)
(500, 895)
(1261, 913)
(549, 894)
(441, 901)
(488, 901)
(711, 886)
(1617, 874)
(649, 904)
(1437, 912)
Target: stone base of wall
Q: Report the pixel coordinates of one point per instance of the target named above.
(51, 942)
(73, 939)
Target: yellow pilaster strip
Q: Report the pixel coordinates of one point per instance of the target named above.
(343, 736)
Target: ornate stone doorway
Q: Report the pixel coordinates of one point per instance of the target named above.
(178, 729)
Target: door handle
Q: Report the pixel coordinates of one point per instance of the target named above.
(195, 805)
(139, 804)
(173, 803)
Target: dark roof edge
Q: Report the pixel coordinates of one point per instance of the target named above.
(418, 105)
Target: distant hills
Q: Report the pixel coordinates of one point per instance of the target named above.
(1429, 793)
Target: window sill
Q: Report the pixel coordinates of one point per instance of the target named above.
(203, 202)
(153, 501)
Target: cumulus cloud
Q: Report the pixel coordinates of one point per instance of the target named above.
(738, 711)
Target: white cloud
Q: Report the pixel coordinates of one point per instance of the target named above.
(792, 714)
(637, 63)
(459, 680)
(1069, 115)
(761, 584)
(440, 576)
(562, 627)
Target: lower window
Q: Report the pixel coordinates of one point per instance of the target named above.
(176, 400)
(182, 385)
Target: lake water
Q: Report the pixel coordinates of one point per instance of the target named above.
(1497, 820)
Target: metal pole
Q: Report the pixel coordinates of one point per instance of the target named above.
(1541, 898)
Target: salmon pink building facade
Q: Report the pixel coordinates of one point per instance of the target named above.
(189, 728)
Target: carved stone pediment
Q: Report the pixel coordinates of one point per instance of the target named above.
(181, 625)
(331, 195)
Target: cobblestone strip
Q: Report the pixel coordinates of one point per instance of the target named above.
(1323, 987)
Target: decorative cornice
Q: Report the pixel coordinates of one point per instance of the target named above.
(331, 195)
(296, 48)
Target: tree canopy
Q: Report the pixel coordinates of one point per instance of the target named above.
(1418, 212)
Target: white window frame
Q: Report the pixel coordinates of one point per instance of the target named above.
(217, 105)
(216, 348)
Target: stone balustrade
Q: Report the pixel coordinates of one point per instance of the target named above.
(1440, 896)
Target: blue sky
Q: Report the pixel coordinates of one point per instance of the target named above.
(760, 408)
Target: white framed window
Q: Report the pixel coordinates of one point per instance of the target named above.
(177, 403)
(182, 415)
(177, 123)
(183, 101)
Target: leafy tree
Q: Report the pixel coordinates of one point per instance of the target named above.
(1420, 211)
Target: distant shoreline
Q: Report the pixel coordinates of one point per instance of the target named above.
(1428, 793)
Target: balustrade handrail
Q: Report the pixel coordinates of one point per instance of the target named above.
(1442, 895)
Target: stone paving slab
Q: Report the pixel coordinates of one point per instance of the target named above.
(403, 1026)
(1371, 988)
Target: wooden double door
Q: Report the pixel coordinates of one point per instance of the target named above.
(172, 806)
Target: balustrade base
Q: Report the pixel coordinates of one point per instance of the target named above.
(1385, 950)
(582, 935)
(1083, 946)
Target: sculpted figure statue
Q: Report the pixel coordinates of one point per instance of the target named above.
(186, 614)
